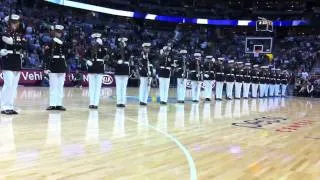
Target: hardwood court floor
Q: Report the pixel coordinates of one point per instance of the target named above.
(272, 138)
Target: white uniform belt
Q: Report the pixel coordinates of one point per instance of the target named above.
(100, 60)
(239, 75)
(162, 67)
(193, 71)
(278, 79)
(246, 76)
(220, 73)
(11, 52)
(209, 71)
(124, 63)
(230, 74)
(57, 57)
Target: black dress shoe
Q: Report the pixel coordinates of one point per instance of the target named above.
(181, 102)
(143, 104)
(208, 99)
(6, 112)
(195, 101)
(60, 108)
(229, 98)
(91, 107)
(50, 108)
(218, 99)
(95, 107)
(14, 112)
(163, 103)
(121, 105)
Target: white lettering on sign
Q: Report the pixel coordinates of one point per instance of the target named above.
(107, 79)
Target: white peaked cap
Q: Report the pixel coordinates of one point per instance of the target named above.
(231, 61)
(247, 64)
(146, 44)
(13, 17)
(197, 54)
(209, 57)
(256, 65)
(96, 35)
(58, 27)
(239, 62)
(183, 51)
(123, 39)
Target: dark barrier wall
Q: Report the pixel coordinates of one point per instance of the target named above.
(35, 77)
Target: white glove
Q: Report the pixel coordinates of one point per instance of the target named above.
(206, 75)
(46, 71)
(89, 63)
(3, 52)
(57, 41)
(99, 41)
(7, 40)
(120, 61)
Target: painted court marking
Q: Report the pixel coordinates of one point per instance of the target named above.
(192, 166)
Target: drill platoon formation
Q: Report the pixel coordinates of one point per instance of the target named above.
(213, 75)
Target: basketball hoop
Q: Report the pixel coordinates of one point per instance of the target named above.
(256, 53)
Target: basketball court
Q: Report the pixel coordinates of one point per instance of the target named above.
(274, 138)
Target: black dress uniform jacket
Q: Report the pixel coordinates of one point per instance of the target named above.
(55, 60)
(146, 64)
(255, 75)
(124, 67)
(229, 72)
(12, 61)
(165, 66)
(96, 55)
(219, 72)
(278, 78)
(208, 71)
(181, 69)
(247, 76)
(239, 74)
(196, 70)
(273, 78)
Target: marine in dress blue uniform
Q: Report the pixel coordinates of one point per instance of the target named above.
(255, 79)
(239, 79)
(262, 81)
(208, 77)
(181, 73)
(196, 76)
(246, 80)
(11, 53)
(230, 78)
(95, 59)
(164, 73)
(278, 82)
(273, 81)
(56, 66)
(219, 77)
(122, 71)
(146, 66)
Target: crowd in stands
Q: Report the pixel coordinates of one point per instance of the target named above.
(294, 52)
